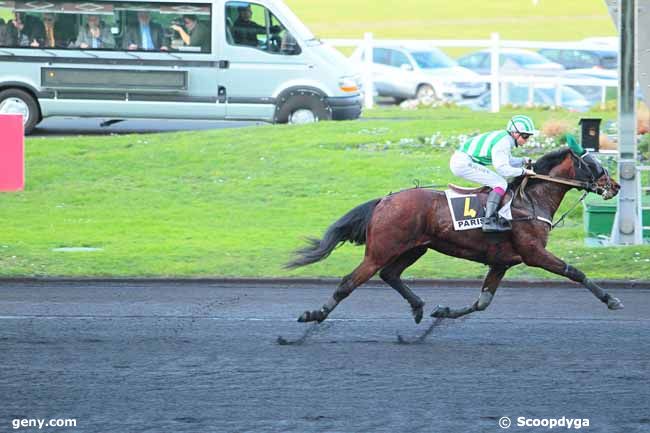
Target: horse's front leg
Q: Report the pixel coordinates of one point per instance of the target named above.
(544, 259)
(490, 285)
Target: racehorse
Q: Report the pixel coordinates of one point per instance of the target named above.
(399, 228)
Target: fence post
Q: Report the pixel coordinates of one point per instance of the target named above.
(558, 94)
(368, 84)
(494, 74)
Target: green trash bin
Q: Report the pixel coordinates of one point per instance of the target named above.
(598, 215)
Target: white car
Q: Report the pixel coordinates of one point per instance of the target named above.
(512, 61)
(540, 95)
(593, 93)
(421, 72)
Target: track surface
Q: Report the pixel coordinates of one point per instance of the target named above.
(196, 357)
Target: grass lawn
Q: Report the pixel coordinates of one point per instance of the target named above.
(236, 202)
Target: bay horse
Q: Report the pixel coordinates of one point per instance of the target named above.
(399, 228)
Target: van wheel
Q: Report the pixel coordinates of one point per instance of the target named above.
(16, 101)
(299, 107)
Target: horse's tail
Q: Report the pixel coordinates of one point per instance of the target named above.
(350, 227)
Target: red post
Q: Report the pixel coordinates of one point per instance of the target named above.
(12, 153)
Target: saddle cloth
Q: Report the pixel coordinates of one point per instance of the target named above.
(468, 209)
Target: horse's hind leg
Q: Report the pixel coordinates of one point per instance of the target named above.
(391, 275)
(490, 285)
(360, 275)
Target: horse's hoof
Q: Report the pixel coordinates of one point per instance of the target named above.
(440, 311)
(417, 313)
(614, 304)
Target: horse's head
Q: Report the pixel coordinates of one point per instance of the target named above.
(585, 169)
(588, 168)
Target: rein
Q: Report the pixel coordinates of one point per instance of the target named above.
(571, 182)
(564, 215)
(587, 186)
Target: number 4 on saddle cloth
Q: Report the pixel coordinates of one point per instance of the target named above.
(467, 206)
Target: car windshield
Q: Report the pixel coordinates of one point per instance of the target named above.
(527, 59)
(432, 59)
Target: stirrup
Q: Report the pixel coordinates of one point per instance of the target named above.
(496, 224)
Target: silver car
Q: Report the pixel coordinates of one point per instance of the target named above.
(421, 72)
(512, 61)
(537, 96)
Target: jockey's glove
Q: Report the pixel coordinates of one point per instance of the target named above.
(528, 172)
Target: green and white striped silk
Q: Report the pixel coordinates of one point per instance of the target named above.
(480, 147)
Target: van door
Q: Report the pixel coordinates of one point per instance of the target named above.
(262, 56)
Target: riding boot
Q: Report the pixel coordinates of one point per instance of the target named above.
(492, 221)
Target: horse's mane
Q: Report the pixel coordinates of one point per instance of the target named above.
(550, 160)
(544, 165)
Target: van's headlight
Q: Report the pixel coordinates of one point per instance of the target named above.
(349, 84)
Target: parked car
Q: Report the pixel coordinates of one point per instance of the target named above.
(593, 93)
(512, 61)
(580, 57)
(543, 96)
(422, 72)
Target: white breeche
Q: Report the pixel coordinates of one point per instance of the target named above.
(462, 166)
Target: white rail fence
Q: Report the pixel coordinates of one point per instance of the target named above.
(495, 78)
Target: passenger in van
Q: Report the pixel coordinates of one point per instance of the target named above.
(145, 35)
(4, 34)
(245, 30)
(56, 32)
(94, 34)
(197, 34)
(66, 30)
(25, 31)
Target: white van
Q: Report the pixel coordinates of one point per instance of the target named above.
(205, 59)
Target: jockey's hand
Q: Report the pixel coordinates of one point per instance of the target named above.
(528, 162)
(528, 172)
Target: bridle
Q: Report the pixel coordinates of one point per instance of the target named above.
(586, 186)
(590, 185)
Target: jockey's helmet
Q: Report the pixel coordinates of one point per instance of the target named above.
(521, 124)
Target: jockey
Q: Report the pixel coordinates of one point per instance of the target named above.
(471, 159)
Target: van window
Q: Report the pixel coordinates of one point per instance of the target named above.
(107, 25)
(252, 25)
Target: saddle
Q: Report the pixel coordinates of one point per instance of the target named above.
(481, 192)
(465, 190)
